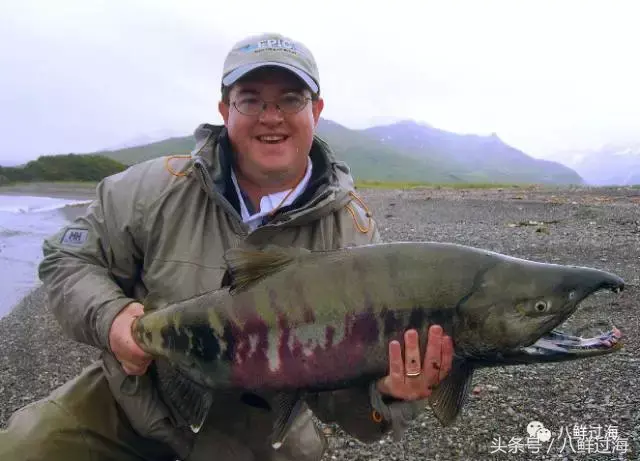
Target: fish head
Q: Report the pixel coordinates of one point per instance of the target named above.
(515, 305)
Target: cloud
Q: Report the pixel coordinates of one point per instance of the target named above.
(545, 75)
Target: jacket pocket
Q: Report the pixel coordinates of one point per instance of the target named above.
(146, 413)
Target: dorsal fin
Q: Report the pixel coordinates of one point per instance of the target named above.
(248, 266)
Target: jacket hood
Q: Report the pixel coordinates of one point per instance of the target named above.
(329, 189)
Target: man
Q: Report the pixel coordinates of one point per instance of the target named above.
(161, 228)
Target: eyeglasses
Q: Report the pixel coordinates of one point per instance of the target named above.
(289, 103)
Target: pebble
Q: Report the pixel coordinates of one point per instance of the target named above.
(32, 344)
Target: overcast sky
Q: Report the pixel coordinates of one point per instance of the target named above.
(546, 76)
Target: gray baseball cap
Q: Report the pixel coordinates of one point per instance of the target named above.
(271, 49)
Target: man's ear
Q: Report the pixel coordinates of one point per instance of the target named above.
(223, 108)
(317, 109)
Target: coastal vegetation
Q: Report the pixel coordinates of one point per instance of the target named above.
(56, 168)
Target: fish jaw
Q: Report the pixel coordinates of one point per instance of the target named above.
(557, 346)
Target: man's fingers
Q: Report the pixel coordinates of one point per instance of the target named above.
(396, 367)
(132, 369)
(136, 369)
(136, 352)
(447, 356)
(412, 360)
(432, 358)
(429, 372)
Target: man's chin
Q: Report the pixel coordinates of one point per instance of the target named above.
(276, 161)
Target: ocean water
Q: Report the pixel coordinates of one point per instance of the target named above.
(25, 221)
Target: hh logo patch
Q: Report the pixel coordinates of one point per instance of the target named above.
(75, 237)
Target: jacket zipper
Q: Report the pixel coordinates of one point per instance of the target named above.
(215, 195)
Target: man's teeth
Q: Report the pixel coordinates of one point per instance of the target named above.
(271, 138)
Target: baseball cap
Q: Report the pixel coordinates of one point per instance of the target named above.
(271, 49)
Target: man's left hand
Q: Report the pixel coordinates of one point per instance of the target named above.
(414, 378)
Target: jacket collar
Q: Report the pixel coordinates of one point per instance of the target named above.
(327, 191)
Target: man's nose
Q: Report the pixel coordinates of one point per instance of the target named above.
(271, 113)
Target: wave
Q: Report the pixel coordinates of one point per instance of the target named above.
(39, 205)
(4, 232)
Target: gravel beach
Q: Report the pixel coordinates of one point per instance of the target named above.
(590, 227)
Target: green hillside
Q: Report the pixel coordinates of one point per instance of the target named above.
(70, 167)
(367, 158)
(404, 152)
(133, 155)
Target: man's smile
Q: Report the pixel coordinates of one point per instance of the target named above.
(272, 138)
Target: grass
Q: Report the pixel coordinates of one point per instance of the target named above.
(360, 184)
(39, 184)
(408, 185)
(62, 189)
(367, 184)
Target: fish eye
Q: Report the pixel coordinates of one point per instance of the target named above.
(572, 294)
(541, 306)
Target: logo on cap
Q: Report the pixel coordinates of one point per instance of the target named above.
(269, 44)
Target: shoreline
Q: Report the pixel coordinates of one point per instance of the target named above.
(21, 281)
(62, 190)
(84, 190)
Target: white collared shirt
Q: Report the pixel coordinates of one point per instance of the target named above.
(269, 202)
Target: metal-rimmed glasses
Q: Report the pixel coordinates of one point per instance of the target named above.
(289, 103)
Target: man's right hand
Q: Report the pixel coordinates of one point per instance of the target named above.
(134, 360)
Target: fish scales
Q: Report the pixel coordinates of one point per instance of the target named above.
(324, 320)
(274, 337)
(334, 324)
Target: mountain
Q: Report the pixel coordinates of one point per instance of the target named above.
(472, 157)
(372, 160)
(610, 165)
(367, 158)
(404, 151)
(131, 155)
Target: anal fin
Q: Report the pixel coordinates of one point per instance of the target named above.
(447, 400)
(287, 408)
(190, 400)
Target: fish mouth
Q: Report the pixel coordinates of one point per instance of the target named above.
(556, 345)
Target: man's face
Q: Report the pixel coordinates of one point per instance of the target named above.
(272, 145)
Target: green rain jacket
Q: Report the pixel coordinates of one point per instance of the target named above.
(161, 228)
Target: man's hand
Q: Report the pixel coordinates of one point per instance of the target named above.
(413, 378)
(134, 360)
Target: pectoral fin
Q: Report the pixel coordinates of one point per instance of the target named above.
(287, 407)
(449, 398)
